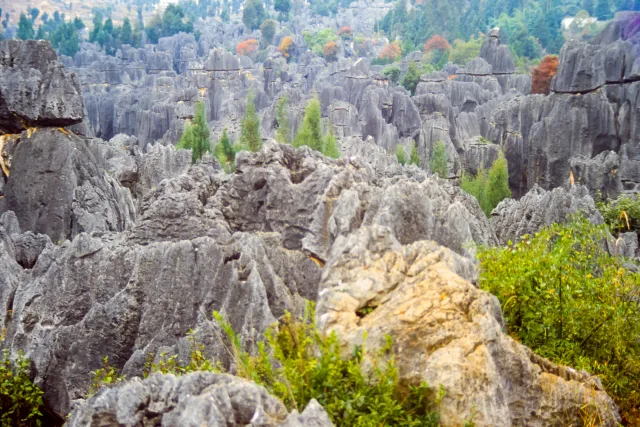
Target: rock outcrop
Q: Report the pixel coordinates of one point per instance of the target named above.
(35, 88)
(196, 399)
(447, 332)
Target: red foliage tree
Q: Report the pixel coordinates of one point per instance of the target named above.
(541, 75)
(391, 51)
(285, 46)
(247, 47)
(329, 51)
(436, 42)
(345, 32)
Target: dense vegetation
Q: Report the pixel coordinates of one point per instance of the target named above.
(297, 363)
(489, 188)
(621, 214)
(569, 300)
(196, 135)
(310, 132)
(20, 401)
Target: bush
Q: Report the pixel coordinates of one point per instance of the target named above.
(20, 400)
(285, 46)
(489, 189)
(621, 214)
(541, 75)
(401, 155)
(283, 132)
(411, 78)
(225, 152)
(316, 41)
(414, 158)
(268, 30)
(330, 148)
(250, 138)
(439, 163)
(392, 52)
(196, 135)
(564, 296)
(345, 32)
(310, 133)
(464, 52)
(329, 51)
(392, 73)
(247, 47)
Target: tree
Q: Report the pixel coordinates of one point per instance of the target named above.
(253, 14)
(329, 51)
(436, 42)
(78, 23)
(498, 182)
(414, 159)
(392, 73)
(310, 133)
(411, 78)
(439, 163)
(126, 32)
(250, 138)
(224, 16)
(285, 46)
(25, 28)
(247, 47)
(34, 12)
(225, 152)
(463, 52)
(392, 51)
(603, 10)
(196, 135)
(268, 30)
(283, 133)
(401, 155)
(283, 7)
(346, 33)
(542, 74)
(330, 148)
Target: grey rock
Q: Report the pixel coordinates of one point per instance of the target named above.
(35, 88)
(497, 54)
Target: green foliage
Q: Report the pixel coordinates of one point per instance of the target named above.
(621, 214)
(489, 188)
(283, 133)
(330, 148)
(268, 30)
(250, 138)
(297, 364)
(411, 78)
(25, 28)
(282, 7)
(392, 73)
(105, 376)
(253, 14)
(316, 41)
(568, 299)
(310, 133)
(21, 401)
(414, 158)
(171, 365)
(225, 152)
(463, 52)
(196, 135)
(439, 163)
(401, 155)
(172, 22)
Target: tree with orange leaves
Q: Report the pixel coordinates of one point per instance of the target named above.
(436, 42)
(329, 51)
(247, 47)
(345, 32)
(541, 75)
(285, 46)
(391, 51)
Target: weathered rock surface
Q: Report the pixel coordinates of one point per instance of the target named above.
(447, 332)
(35, 89)
(196, 399)
(539, 208)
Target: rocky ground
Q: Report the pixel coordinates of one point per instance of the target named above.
(113, 244)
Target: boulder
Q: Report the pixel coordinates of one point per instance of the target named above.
(35, 88)
(195, 399)
(446, 332)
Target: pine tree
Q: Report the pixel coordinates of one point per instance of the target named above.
(414, 159)
(225, 152)
(25, 28)
(439, 163)
(331, 147)
(497, 187)
(310, 133)
(283, 133)
(126, 32)
(196, 135)
(250, 138)
(401, 155)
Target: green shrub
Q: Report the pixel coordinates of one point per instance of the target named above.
(105, 376)
(439, 163)
(489, 188)
(330, 148)
(401, 155)
(250, 138)
(283, 133)
(20, 400)
(225, 152)
(196, 135)
(414, 158)
(621, 214)
(566, 298)
(392, 73)
(310, 133)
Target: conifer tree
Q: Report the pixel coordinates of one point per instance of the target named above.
(225, 152)
(196, 135)
(250, 138)
(439, 160)
(331, 147)
(310, 133)
(283, 133)
(401, 155)
(497, 182)
(25, 28)
(414, 159)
